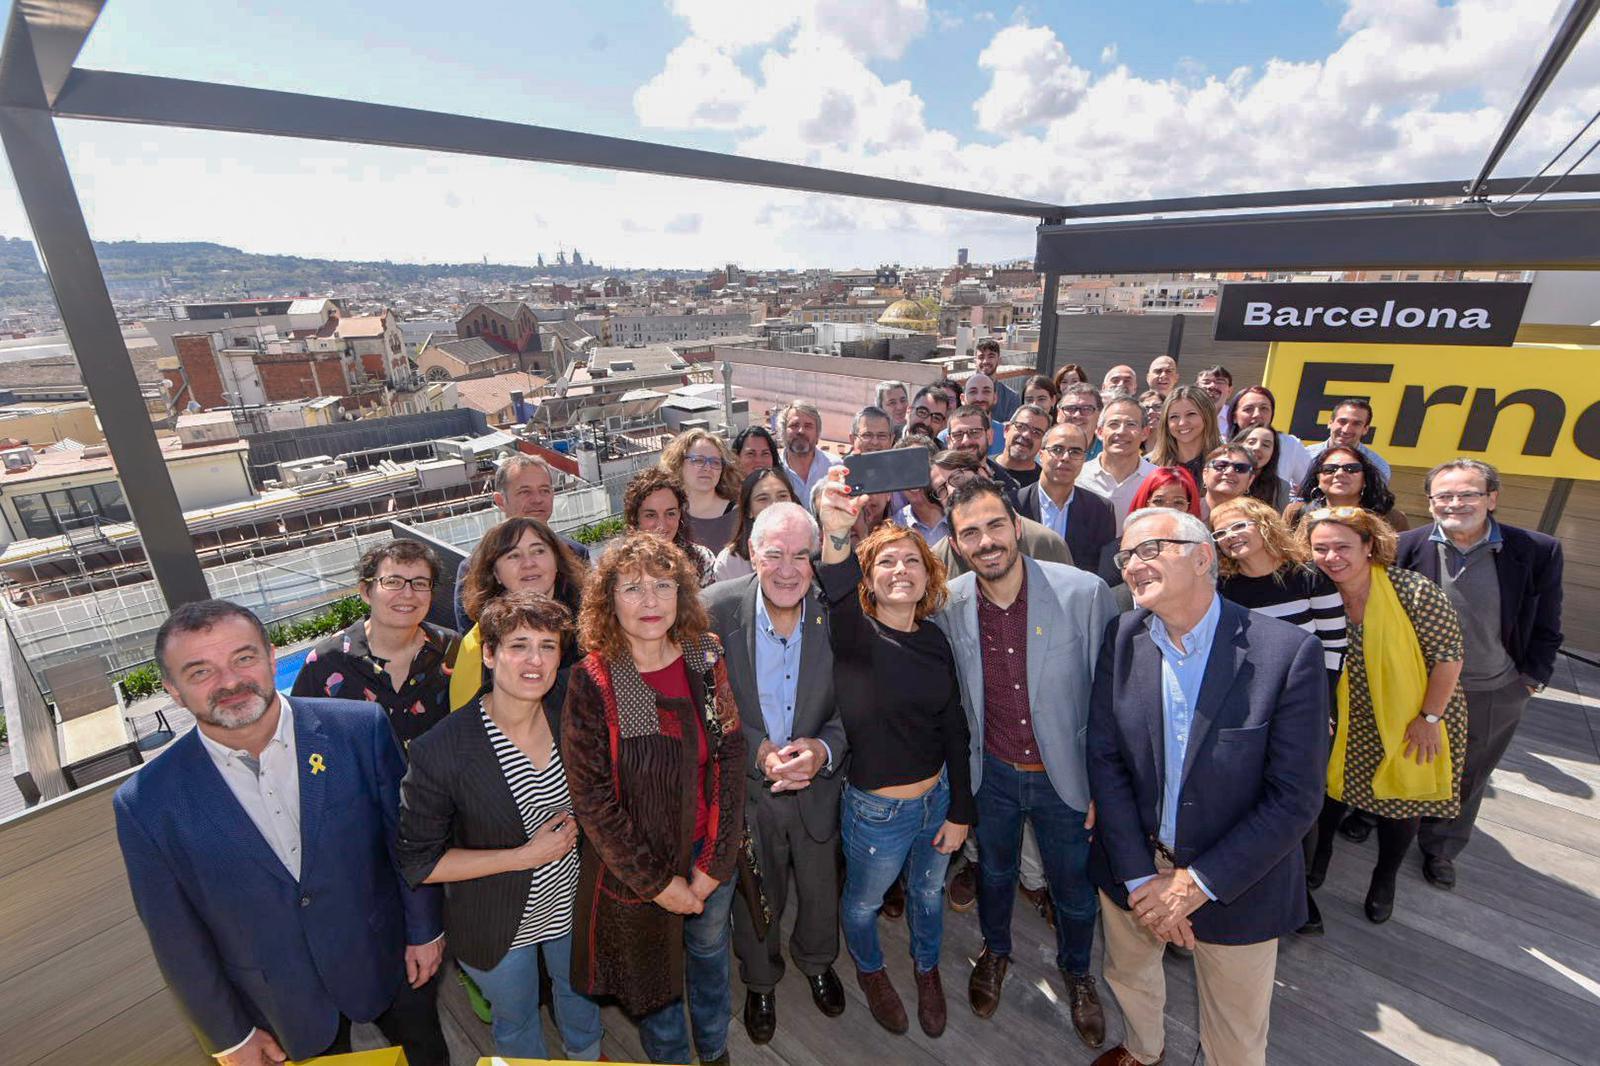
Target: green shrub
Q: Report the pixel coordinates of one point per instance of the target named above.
(604, 529)
(140, 682)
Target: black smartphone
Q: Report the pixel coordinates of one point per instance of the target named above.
(889, 471)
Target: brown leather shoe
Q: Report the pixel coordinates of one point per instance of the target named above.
(931, 1012)
(883, 1001)
(983, 990)
(1040, 899)
(964, 887)
(894, 900)
(1121, 1056)
(1088, 1016)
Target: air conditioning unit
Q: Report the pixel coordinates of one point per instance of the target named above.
(18, 459)
(310, 471)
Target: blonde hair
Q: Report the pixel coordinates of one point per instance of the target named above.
(676, 453)
(1276, 535)
(1372, 530)
(1163, 448)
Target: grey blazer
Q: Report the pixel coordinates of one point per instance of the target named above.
(1068, 611)
(732, 607)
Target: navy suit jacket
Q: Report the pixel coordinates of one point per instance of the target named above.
(1529, 565)
(1254, 770)
(1091, 523)
(239, 940)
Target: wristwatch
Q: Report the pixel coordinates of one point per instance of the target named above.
(1432, 719)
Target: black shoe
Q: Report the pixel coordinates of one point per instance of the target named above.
(1313, 926)
(760, 1016)
(1380, 900)
(1356, 827)
(1439, 871)
(827, 993)
(720, 1060)
(1317, 872)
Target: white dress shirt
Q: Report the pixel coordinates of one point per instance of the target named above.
(269, 792)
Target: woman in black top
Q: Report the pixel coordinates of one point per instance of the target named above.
(485, 811)
(909, 799)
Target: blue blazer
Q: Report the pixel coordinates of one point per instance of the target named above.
(1253, 776)
(240, 942)
(1091, 523)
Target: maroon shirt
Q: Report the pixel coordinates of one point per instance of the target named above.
(1007, 718)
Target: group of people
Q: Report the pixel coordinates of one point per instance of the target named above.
(1094, 667)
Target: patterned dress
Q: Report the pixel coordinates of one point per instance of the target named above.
(1439, 635)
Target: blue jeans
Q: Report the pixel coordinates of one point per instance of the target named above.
(707, 962)
(513, 988)
(1007, 797)
(881, 836)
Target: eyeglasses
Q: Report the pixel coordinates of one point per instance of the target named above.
(635, 591)
(1448, 498)
(1146, 550)
(1079, 409)
(1061, 451)
(1339, 468)
(704, 462)
(394, 583)
(1022, 429)
(927, 414)
(1222, 466)
(1234, 529)
(967, 434)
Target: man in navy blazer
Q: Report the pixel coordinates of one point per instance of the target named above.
(1207, 748)
(1082, 517)
(261, 853)
(1505, 584)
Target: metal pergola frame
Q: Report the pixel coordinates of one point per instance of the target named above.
(39, 83)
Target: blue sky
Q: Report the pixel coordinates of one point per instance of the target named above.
(1061, 101)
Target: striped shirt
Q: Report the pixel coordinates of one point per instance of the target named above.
(540, 796)
(1300, 596)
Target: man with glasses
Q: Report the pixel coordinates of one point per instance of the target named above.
(930, 409)
(1208, 732)
(1505, 584)
(1084, 519)
(951, 469)
(1121, 467)
(1024, 435)
(394, 658)
(780, 666)
(1217, 383)
(1080, 406)
(871, 430)
(972, 431)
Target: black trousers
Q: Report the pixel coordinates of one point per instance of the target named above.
(783, 845)
(412, 1021)
(1492, 719)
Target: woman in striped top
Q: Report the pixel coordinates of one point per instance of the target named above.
(485, 811)
(1265, 569)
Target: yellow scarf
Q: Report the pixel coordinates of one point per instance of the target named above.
(467, 679)
(1397, 679)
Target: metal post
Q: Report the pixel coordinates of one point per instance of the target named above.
(44, 184)
(1175, 337)
(1555, 505)
(1049, 325)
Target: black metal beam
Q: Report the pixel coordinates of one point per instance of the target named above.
(43, 40)
(137, 98)
(1570, 32)
(1553, 235)
(1049, 325)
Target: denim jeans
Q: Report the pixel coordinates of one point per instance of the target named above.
(513, 987)
(881, 836)
(707, 962)
(1006, 799)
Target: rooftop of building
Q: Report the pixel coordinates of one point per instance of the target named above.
(51, 465)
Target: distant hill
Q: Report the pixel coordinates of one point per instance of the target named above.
(136, 269)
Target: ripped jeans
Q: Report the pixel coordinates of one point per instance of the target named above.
(882, 836)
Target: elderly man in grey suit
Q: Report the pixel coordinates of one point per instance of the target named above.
(1027, 636)
(780, 665)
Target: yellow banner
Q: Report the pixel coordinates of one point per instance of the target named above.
(1528, 409)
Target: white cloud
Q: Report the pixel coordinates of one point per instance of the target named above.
(1032, 79)
(721, 90)
(1108, 54)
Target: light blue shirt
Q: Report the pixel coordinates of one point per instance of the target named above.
(932, 534)
(821, 463)
(1182, 671)
(1054, 517)
(778, 676)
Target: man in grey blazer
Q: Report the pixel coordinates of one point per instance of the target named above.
(1027, 636)
(780, 664)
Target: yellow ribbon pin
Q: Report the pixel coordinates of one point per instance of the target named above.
(316, 764)
(1038, 631)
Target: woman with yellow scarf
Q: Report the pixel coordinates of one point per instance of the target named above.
(1401, 735)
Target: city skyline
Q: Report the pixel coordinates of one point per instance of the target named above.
(1208, 97)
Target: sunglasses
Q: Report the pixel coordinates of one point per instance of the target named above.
(1222, 466)
(1339, 468)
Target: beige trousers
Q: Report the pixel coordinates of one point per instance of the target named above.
(1235, 986)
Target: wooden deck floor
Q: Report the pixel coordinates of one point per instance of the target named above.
(1505, 969)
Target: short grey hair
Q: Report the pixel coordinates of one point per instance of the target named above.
(885, 387)
(1029, 409)
(784, 513)
(870, 411)
(805, 407)
(1083, 388)
(1190, 528)
(516, 463)
(1491, 476)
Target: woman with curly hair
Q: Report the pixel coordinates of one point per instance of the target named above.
(1185, 430)
(1345, 477)
(656, 768)
(655, 502)
(909, 800)
(710, 477)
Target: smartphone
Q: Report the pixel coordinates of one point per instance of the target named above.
(888, 471)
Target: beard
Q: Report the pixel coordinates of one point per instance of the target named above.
(245, 714)
(799, 446)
